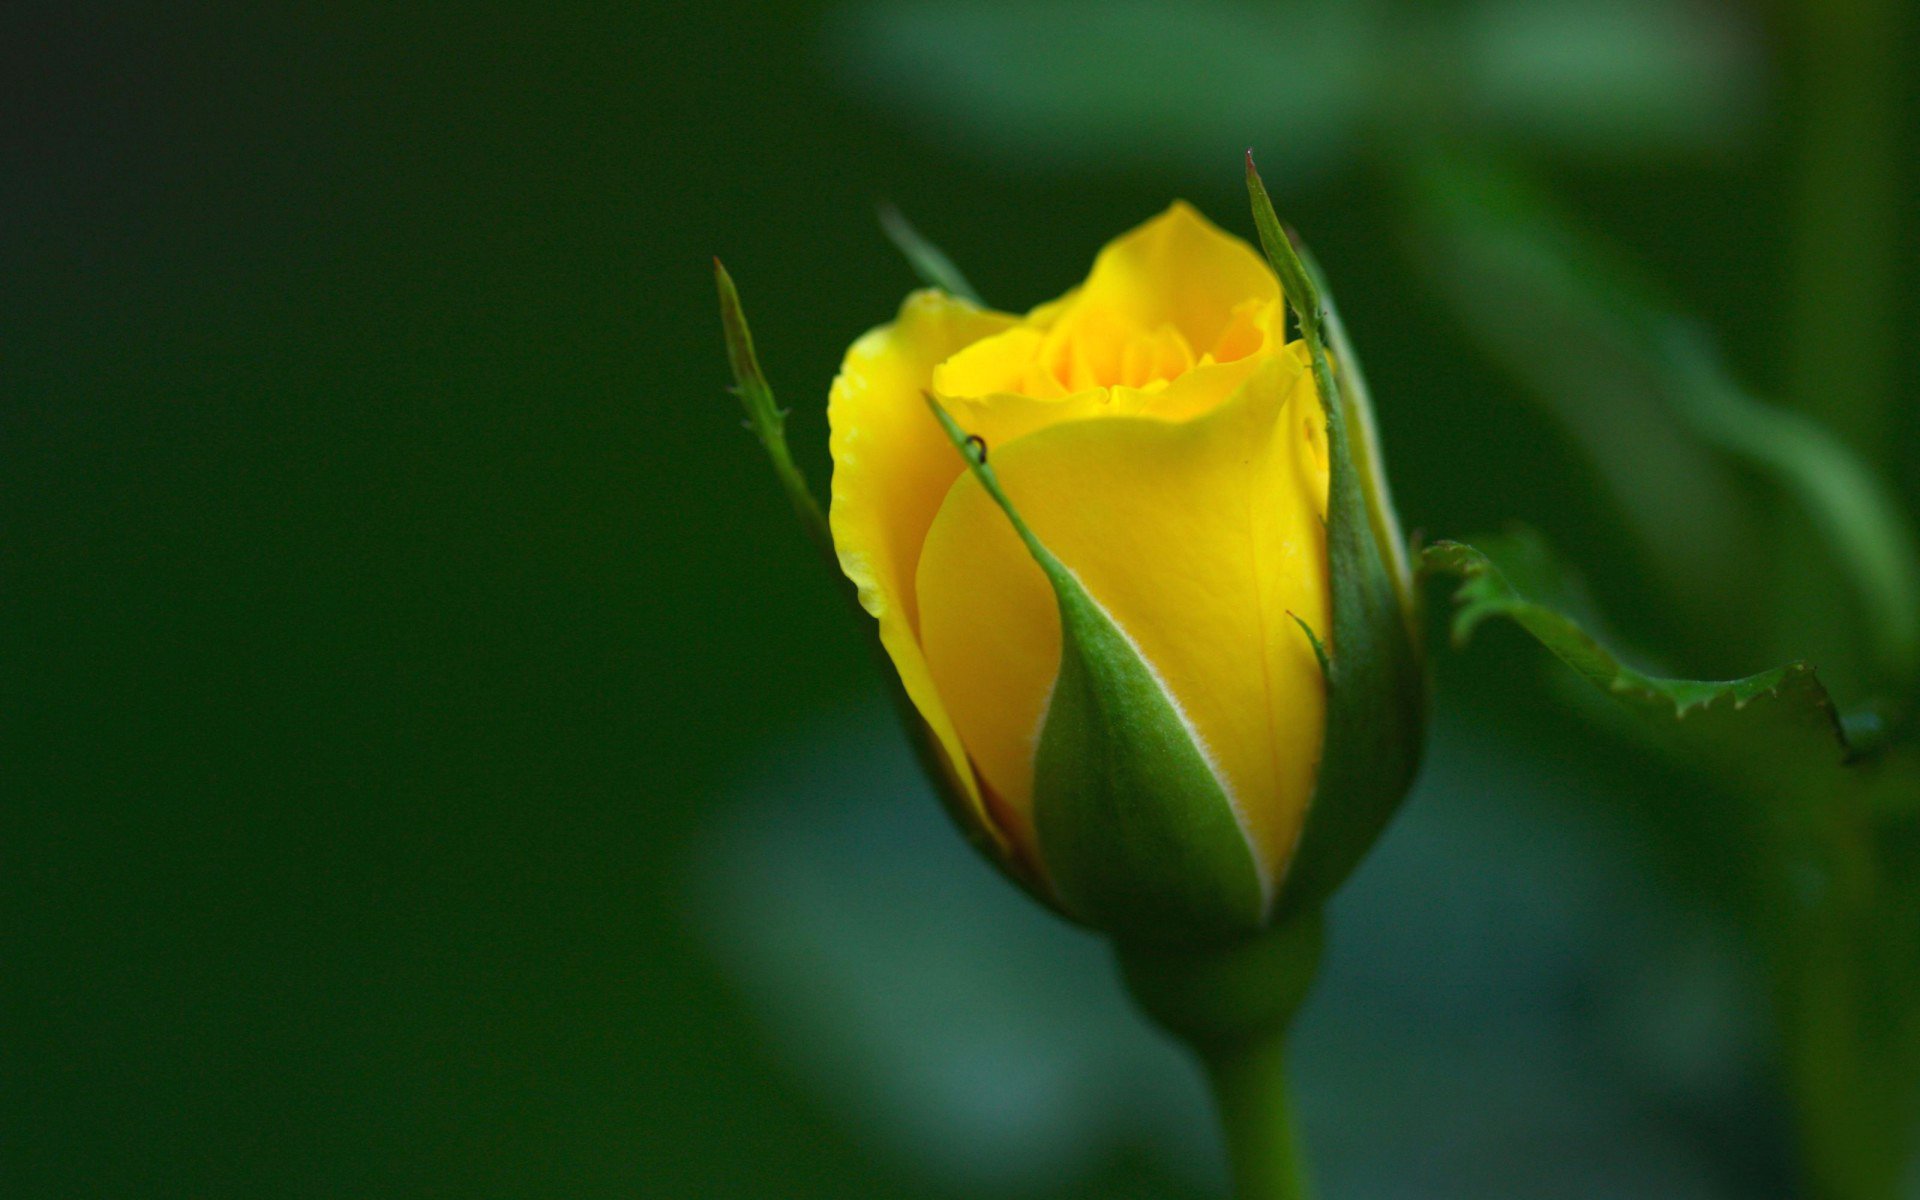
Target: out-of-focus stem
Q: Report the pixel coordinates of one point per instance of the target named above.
(1845, 269)
(1846, 1074)
(1842, 286)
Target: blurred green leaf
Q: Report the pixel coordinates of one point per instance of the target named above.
(1658, 415)
(1061, 85)
(1558, 314)
(1611, 76)
(1056, 85)
(1859, 519)
(1774, 730)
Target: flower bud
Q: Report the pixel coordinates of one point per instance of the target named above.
(1105, 545)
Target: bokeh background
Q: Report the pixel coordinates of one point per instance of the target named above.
(433, 764)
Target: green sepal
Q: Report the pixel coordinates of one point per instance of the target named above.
(1376, 673)
(1138, 835)
(1774, 729)
(928, 261)
(767, 419)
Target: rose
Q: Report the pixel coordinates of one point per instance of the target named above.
(1167, 445)
(1134, 562)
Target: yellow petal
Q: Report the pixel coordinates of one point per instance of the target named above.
(1171, 296)
(892, 465)
(982, 385)
(1094, 346)
(1003, 418)
(1203, 539)
(1005, 363)
(1180, 270)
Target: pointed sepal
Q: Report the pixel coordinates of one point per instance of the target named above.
(767, 420)
(1137, 833)
(1376, 673)
(928, 261)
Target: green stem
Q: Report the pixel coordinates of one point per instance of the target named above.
(1843, 284)
(1847, 203)
(1232, 1004)
(1249, 1084)
(1843, 1062)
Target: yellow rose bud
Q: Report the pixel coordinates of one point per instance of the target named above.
(1166, 447)
(1134, 561)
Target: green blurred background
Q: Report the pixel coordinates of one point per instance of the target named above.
(406, 654)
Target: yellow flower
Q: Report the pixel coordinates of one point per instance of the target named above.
(1165, 442)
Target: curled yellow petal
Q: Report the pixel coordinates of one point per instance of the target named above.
(1181, 271)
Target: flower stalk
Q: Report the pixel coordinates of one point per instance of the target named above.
(1251, 1093)
(1233, 1005)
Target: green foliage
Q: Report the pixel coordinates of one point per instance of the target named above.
(1139, 835)
(1555, 312)
(1775, 729)
(1812, 815)
(1070, 84)
(1853, 511)
(1059, 85)
(1671, 433)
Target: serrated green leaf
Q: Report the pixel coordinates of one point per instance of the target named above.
(1376, 678)
(1138, 834)
(1772, 728)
